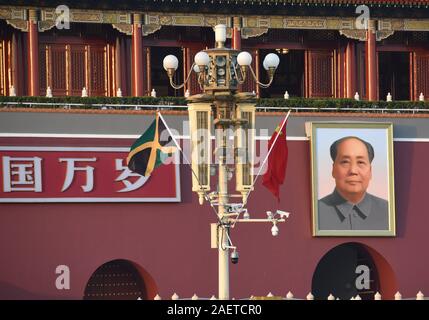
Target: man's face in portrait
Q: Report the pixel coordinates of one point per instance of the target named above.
(352, 169)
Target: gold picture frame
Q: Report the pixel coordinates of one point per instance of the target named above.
(333, 214)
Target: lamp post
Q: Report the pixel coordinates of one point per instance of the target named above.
(219, 72)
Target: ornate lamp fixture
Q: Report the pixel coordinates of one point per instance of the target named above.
(221, 68)
(219, 72)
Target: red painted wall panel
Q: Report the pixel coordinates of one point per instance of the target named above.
(171, 241)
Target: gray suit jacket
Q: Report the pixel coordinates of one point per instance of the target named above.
(336, 213)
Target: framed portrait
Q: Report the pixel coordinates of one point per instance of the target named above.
(352, 172)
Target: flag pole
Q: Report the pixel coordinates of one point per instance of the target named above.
(266, 158)
(171, 134)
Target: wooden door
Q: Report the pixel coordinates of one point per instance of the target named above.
(420, 74)
(57, 77)
(67, 68)
(97, 71)
(320, 73)
(77, 69)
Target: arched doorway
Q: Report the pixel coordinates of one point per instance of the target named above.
(116, 280)
(337, 273)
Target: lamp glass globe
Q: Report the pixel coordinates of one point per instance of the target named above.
(202, 59)
(244, 58)
(170, 62)
(271, 61)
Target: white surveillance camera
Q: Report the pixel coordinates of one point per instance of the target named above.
(275, 231)
(234, 257)
(283, 214)
(269, 215)
(246, 214)
(235, 207)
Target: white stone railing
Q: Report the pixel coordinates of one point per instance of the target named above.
(290, 296)
(261, 108)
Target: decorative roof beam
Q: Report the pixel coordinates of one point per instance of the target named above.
(252, 25)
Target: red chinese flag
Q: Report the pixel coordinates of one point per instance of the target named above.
(277, 161)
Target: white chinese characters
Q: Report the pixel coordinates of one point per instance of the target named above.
(126, 173)
(22, 174)
(52, 174)
(72, 168)
(25, 174)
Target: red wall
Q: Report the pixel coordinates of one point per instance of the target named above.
(171, 241)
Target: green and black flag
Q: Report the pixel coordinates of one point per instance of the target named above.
(148, 152)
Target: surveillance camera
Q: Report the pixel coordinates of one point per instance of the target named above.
(269, 215)
(283, 214)
(275, 231)
(246, 214)
(234, 257)
(235, 207)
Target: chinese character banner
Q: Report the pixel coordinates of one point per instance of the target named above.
(72, 174)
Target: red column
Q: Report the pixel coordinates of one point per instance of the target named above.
(340, 67)
(350, 70)
(371, 62)
(236, 34)
(33, 53)
(137, 56)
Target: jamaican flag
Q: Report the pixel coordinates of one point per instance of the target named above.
(148, 152)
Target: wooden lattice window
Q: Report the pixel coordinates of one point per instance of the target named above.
(420, 73)
(420, 37)
(322, 35)
(43, 75)
(320, 73)
(67, 68)
(58, 74)
(97, 69)
(283, 35)
(77, 70)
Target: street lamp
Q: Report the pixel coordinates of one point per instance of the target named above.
(219, 72)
